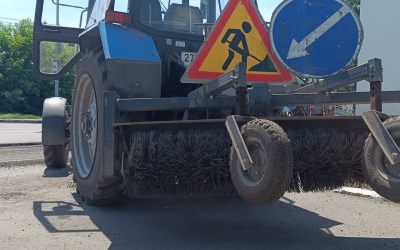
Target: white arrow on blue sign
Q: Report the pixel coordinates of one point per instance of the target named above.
(315, 38)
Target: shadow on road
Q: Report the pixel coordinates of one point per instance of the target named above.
(57, 172)
(202, 224)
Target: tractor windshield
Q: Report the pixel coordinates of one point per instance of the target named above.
(186, 16)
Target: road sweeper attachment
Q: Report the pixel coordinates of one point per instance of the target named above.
(137, 130)
(258, 158)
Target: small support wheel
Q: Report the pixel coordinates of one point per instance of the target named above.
(56, 156)
(383, 177)
(269, 177)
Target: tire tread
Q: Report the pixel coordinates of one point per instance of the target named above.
(55, 156)
(282, 170)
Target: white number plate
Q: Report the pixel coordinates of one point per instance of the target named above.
(187, 58)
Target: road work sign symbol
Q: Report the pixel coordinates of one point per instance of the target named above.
(315, 38)
(239, 36)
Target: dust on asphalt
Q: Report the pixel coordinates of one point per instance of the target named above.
(40, 209)
(20, 156)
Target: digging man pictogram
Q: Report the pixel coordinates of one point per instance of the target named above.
(239, 46)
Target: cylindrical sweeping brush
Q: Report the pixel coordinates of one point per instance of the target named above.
(195, 162)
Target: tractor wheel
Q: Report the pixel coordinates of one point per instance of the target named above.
(87, 132)
(269, 177)
(383, 177)
(55, 156)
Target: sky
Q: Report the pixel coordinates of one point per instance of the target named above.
(17, 9)
(20, 9)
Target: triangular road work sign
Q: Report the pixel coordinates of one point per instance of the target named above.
(238, 36)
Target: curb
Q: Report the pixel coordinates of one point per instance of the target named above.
(20, 144)
(360, 192)
(20, 121)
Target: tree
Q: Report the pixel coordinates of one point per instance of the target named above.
(19, 92)
(355, 4)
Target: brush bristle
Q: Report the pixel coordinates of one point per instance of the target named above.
(179, 163)
(325, 159)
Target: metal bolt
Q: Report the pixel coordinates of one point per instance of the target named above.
(396, 157)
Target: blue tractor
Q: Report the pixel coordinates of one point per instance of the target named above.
(134, 128)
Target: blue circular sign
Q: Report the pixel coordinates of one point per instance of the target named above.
(315, 38)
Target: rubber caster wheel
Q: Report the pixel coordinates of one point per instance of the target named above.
(270, 175)
(383, 177)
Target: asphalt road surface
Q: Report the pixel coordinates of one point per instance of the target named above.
(21, 154)
(39, 209)
(17, 133)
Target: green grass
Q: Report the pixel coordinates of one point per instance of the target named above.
(18, 116)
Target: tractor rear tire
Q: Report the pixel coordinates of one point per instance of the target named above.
(383, 177)
(270, 175)
(55, 156)
(87, 133)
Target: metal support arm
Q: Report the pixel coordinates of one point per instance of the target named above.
(109, 140)
(371, 72)
(216, 86)
(241, 90)
(382, 136)
(231, 79)
(238, 142)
